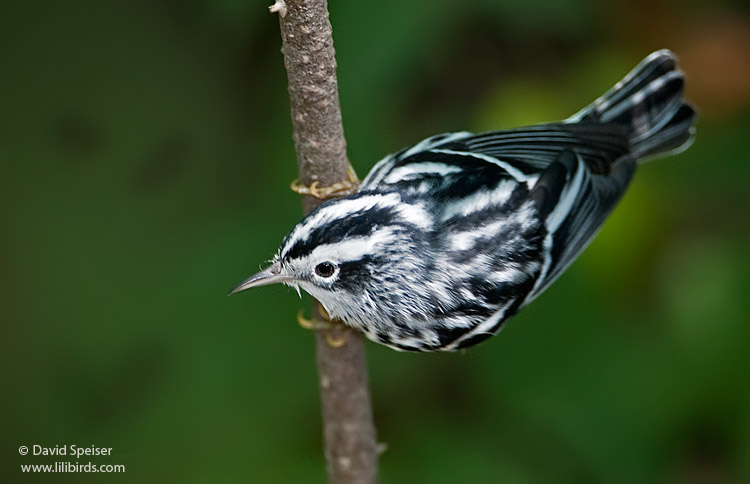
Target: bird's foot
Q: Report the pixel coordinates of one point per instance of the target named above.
(326, 325)
(340, 188)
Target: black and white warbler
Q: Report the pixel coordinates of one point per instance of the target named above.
(447, 239)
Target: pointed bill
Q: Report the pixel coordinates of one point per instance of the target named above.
(270, 275)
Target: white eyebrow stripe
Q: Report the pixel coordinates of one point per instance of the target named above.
(341, 209)
(352, 249)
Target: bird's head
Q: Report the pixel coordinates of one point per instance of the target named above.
(351, 254)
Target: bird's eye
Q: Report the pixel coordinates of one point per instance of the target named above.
(325, 269)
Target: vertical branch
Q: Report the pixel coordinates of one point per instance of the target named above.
(307, 45)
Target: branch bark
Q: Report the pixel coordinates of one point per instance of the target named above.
(307, 45)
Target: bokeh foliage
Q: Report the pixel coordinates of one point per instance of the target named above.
(146, 153)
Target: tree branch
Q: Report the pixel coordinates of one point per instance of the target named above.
(307, 45)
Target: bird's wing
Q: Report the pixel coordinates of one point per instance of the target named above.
(522, 152)
(534, 148)
(576, 173)
(574, 202)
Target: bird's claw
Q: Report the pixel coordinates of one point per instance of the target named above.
(340, 188)
(313, 324)
(324, 325)
(337, 342)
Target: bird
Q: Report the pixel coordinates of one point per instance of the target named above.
(447, 239)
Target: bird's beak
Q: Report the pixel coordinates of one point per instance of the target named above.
(270, 275)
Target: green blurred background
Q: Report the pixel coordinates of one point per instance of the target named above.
(146, 156)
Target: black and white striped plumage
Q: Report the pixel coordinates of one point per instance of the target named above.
(447, 239)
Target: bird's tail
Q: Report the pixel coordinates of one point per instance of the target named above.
(649, 102)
